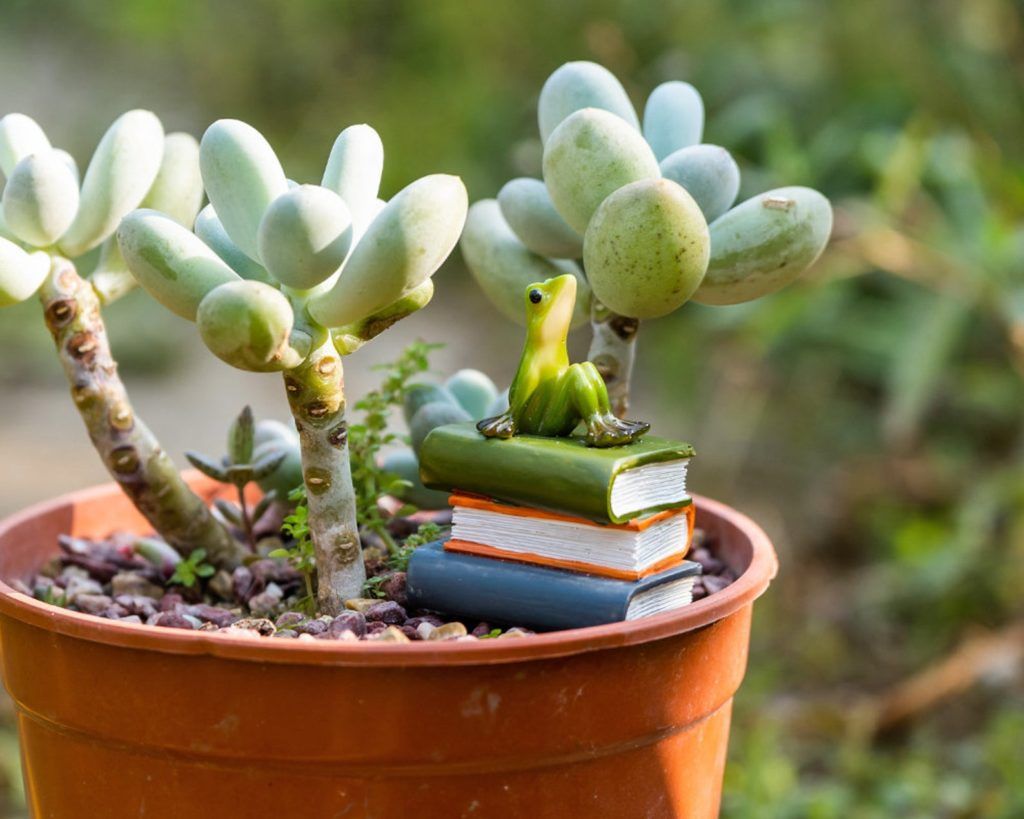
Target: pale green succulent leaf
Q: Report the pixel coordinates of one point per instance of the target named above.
(209, 228)
(41, 199)
(304, 236)
(646, 250)
(20, 136)
(242, 176)
(178, 187)
(764, 243)
(590, 155)
(111, 278)
(21, 273)
(120, 173)
(673, 118)
(578, 85)
(526, 206)
(69, 160)
(503, 266)
(354, 170)
(474, 391)
(351, 337)
(709, 174)
(249, 325)
(403, 247)
(170, 262)
(273, 436)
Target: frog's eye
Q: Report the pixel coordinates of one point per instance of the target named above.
(536, 296)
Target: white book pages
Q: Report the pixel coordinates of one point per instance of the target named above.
(649, 487)
(672, 595)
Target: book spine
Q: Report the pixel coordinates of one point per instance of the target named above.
(502, 592)
(532, 475)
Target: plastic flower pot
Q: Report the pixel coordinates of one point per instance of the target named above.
(118, 719)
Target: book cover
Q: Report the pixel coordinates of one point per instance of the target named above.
(499, 591)
(559, 474)
(628, 551)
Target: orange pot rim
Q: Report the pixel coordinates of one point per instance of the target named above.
(742, 592)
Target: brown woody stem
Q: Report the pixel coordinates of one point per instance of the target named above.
(612, 350)
(316, 393)
(129, 450)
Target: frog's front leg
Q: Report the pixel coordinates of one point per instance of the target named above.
(590, 395)
(500, 426)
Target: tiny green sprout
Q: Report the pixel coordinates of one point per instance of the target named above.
(649, 211)
(491, 635)
(300, 554)
(189, 571)
(244, 464)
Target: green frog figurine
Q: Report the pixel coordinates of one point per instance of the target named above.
(549, 396)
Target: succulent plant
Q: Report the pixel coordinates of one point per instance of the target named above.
(291, 278)
(467, 395)
(648, 209)
(48, 221)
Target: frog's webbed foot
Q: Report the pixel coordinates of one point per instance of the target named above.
(500, 426)
(604, 429)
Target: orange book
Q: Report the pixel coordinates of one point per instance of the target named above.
(625, 551)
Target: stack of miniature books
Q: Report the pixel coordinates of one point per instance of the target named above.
(553, 534)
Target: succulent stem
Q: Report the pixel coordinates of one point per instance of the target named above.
(612, 350)
(129, 450)
(316, 394)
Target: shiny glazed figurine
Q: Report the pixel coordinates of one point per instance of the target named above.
(549, 396)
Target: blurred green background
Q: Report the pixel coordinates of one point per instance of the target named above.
(870, 417)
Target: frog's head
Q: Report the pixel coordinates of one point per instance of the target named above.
(549, 308)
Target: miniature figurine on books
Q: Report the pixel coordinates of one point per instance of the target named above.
(549, 396)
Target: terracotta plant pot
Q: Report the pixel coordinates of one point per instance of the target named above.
(119, 720)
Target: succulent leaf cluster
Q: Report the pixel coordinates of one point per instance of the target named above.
(47, 211)
(649, 208)
(273, 268)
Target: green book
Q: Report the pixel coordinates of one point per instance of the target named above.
(562, 475)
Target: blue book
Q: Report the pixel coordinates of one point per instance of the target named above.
(537, 597)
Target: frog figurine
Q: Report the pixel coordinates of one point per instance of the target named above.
(549, 396)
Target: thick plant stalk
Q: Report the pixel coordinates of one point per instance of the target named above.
(612, 350)
(129, 450)
(316, 393)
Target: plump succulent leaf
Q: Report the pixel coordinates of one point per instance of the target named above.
(41, 199)
(709, 174)
(20, 136)
(111, 278)
(503, 266)
(170, 262)
(646, 249)
(69, 160)
(765, 243)
(21, 273)
(242, 176)
(207, 466)
(590, 155)
(178, 187)
(119, 176)
(527, 207)
(304, 236)
(209, 228)
(431, 416)
(249, 325)
(354, 170)
(351, 337)
(673, 118)
(579, 85)
(421, 394)
(474, 390)
(402, 248)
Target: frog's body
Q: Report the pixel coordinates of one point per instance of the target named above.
(549, 396)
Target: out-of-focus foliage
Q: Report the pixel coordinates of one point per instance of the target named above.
(870, 416)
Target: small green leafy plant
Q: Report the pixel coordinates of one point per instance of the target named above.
(370, 476)
(189, 570)
(245, 463)
(300, 554)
